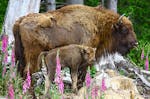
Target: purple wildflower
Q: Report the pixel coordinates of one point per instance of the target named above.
(147, 63)
(94, 92)
(27, 82)
(58, 69)
(11, 92)
(28, 79)
(4, 43)
(25, 87)
(13, 57)
(103, 85)
(58, 66)
(61, 86)
(88, 79)
(87, 97)
(20, 97)
(142, 54)
(5, 60)
(58, 79)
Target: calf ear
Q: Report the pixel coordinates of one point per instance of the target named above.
(85, 50)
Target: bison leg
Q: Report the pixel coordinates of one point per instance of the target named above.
(31, 57)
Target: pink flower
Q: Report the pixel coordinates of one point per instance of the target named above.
(58, 79)
(88, 79)
(27, 82)
(142, 54)
(94, 92)
(4, 43)
(58, 66)
(58, 69)
(103, 85)
(25, 87)
(5, 60)
(11, 92)
(61, 86)
(87, 97)
(20, 97)
(28, 79)
(12, 57)
(147, 63)
(4, 71)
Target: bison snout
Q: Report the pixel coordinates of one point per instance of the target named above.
(133, 45)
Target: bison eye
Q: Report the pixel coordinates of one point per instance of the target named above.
(124, 30)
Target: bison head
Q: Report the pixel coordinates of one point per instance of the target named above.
(124, 36)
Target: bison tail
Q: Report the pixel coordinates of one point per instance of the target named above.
(19, 50)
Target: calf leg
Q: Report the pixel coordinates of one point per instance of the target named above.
(74, 77)
(49, 79)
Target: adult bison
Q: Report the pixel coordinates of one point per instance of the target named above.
(75, 24)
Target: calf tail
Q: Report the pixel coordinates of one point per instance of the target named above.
(41, 57)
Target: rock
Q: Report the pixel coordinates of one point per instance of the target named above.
(118, 87)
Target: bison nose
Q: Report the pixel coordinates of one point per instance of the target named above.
(135, 44)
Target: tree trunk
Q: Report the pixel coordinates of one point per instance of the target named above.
(112, 4)
(102, 2)
(51, 5)
(74, 1)
(16, 9)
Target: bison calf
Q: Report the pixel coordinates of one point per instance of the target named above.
(72, 56)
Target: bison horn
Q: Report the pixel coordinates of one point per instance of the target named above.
(120, 18)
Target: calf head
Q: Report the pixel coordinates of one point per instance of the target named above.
(89, 54)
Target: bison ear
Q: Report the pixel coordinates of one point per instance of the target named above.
(115, 26)
(119, 22)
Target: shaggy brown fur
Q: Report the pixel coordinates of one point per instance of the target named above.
(74, 24)
(72, 56)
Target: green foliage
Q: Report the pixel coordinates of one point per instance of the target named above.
(3, 5)
(5, 82)
(138, 12)
(135, 54)
(92, 71)
(91, 2)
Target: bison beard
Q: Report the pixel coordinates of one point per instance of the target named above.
(74, 24)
